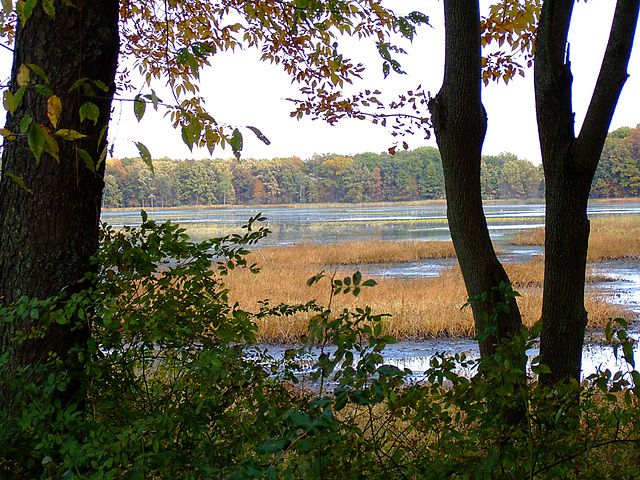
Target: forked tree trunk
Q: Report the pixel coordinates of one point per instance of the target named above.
(48, 235)
(569, 165)
(460, 124)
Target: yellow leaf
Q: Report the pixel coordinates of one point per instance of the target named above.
(8, 101)
(54, 108)
(7, 134)
(23, 75)
(68, 134)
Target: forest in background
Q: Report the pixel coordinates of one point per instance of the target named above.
(366, 177)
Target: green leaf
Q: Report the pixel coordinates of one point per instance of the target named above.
(191, 131)
(146, 156)
(357, 278)
(260, 135)
(627, 348)
(25, 123)
(89, 111)
(25, 10)
(101, 85)
(49, 8)
(390, 371)
(43, 90)
(19, 181)
(385, 69)
(236, 143)
(139, 106)
(369, 283)
(103, 132)
(18, 96)
(36, 140)
(85, 84)
(7, 5)
(154, 99)
(273, 446)
(51, 146)
(187, 137)
(11, 101)
(103, 155)
(86, 158)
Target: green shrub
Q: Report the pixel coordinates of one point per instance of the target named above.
(176, 388)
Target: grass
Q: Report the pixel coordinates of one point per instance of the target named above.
(420, 308)
(353, 253)
(611, 238)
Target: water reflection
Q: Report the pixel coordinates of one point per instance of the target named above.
(343, 223)
(417, 356)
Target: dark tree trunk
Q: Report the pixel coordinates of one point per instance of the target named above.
(460, 124)
(48, 236)
(569, 166)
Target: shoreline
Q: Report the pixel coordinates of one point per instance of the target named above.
(533, 201)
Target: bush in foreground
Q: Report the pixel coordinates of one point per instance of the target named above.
(176, 388)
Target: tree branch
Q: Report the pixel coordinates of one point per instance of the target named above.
(612, 77)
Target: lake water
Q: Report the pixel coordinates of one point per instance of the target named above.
(335, 224)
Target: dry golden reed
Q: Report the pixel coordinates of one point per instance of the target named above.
(611, 238)
(359, 252)
(419, 308)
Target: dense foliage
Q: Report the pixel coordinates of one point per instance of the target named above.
(367, 177)
(618, 173)
(175, 387)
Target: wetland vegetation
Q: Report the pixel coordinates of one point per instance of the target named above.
(419, 307)
(407, 249)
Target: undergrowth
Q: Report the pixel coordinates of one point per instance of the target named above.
(175, 387)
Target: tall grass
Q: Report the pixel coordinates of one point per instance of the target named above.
(612, 237)
(420, 307)
(359, 252)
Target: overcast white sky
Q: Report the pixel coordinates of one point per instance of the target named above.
(241, 90)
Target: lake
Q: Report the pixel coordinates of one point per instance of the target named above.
(336, 224)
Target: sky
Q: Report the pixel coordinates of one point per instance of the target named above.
(241, 90)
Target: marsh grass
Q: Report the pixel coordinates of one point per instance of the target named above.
(612, 237)
(419, 308)
(353, 253)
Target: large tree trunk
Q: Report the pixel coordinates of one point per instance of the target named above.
(48, 235)
(569, 165)
(460, 124)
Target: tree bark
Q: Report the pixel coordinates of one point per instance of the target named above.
(48, 235)
(460, 124)
(569, 166)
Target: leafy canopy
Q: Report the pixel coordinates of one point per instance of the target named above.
(171, 41)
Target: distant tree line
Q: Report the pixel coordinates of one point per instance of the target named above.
(618, 173)
(366, 177)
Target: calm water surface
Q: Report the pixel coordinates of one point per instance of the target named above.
(344, 223)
